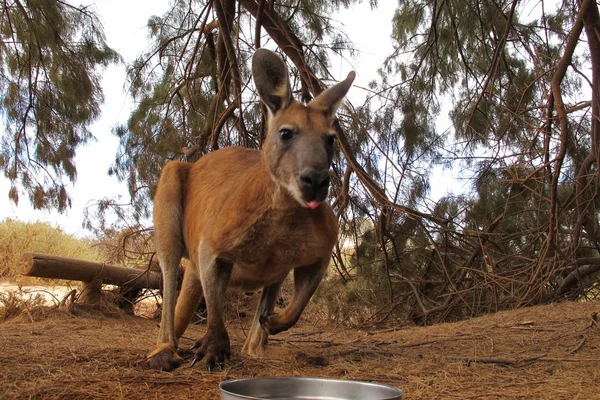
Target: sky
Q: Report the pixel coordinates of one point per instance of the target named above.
(125, 28)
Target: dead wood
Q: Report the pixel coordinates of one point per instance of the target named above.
(54, 267)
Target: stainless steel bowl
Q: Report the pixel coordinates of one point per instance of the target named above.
(295, 388)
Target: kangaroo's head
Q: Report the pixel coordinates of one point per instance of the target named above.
(298, 148)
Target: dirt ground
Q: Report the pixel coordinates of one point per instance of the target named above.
(535, 353)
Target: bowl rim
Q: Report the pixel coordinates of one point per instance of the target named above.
(399, 392)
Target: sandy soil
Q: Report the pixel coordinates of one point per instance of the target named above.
(542, 352)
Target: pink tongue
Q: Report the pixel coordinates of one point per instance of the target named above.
(312, 204)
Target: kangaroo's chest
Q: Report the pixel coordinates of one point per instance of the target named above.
(277, 241)
(271, 248)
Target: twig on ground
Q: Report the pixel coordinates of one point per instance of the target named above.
(594, 320)
(579, 346)
(501, 361)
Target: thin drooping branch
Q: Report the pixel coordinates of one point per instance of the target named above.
(225, 28)
(493, 69)
(258, 26)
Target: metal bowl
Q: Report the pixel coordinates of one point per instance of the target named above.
(294, 388)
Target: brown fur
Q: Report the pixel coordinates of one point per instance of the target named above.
(242, 219)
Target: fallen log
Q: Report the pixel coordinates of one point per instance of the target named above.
(48, 266)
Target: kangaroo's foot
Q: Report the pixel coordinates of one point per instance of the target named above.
(164, 358)
(214, 346)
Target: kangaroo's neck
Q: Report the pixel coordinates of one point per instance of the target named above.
(262, 204)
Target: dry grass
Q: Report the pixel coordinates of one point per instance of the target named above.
(548, 351)
(18, 237)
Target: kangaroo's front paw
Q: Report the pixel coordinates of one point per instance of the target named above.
(267, 322)
(215, 347)
(164, 358)
(273, 323)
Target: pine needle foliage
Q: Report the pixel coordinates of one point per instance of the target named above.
(51, 54)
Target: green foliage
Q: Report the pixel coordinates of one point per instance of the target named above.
(50, 53)
(18, 237)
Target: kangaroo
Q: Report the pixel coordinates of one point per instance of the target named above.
(245, 218)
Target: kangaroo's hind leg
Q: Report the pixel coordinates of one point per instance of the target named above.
(168, 214)
(188, 300)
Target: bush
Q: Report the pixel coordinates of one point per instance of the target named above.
(13, 303)
(18, 237)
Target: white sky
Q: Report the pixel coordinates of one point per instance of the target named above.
(125, 28)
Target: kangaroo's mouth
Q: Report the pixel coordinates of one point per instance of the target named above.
(308, 195)
(312, 204)
(311, 198)
(314, 186)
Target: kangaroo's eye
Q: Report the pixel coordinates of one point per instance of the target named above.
(330, 140)
(286, 134)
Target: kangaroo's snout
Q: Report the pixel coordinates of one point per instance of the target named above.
(314, 185)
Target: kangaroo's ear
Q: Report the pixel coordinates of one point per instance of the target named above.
(271, 80)
(330, 99)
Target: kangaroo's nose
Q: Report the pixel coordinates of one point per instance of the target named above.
(314, 184)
